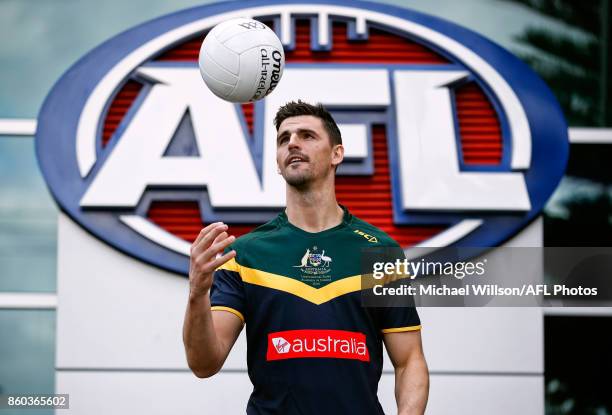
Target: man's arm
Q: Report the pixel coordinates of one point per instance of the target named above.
(208, 337)
(411, 373)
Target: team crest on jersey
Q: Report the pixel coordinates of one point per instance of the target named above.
(449, 139)
(314, 262)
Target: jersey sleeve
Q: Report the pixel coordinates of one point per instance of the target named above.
(227, 291)
(398, 318)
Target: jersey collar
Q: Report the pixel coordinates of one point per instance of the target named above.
(346, 219)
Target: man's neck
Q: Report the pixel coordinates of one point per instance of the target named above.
(313, 211)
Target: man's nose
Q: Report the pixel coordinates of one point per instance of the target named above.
(293, 141)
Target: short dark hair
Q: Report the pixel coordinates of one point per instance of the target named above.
(294, 109)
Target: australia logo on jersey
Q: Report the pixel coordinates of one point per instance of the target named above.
(337, 344)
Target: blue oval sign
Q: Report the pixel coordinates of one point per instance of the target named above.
(450, 140)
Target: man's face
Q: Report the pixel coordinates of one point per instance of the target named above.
(303, 150)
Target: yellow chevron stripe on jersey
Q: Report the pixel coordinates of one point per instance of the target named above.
(314, 295)
(317, 296)
(289, 285)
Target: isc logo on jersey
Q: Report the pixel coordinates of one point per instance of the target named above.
(131, 141)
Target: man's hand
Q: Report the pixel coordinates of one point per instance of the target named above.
(211, 241)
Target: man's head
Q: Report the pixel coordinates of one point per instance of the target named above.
(308, 143)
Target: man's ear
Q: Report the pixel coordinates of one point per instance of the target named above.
(337, 154)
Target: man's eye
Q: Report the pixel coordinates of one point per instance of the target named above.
(282, 140)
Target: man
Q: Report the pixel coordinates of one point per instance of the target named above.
(294, 281)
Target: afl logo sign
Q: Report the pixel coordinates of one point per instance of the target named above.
(450, 140)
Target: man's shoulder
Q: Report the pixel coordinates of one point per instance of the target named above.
(370, 233)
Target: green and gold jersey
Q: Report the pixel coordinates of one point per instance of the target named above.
(312, 347)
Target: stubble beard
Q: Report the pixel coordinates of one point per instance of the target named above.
(299, 180)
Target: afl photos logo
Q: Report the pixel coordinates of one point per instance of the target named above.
(450, 140)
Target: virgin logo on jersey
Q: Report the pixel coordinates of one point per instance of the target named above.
(170, 141)
(337, 344)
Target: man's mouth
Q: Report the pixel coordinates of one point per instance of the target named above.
(296, 159)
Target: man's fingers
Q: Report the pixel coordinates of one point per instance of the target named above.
(208, 238)
(218, 247)
(209, 261)
(223, 259)
(217, 234)
(204, 231)
(209, 254)
(220, 237)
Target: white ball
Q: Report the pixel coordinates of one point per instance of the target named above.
(241, 60)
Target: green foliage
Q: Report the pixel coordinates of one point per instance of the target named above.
(572, 65)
